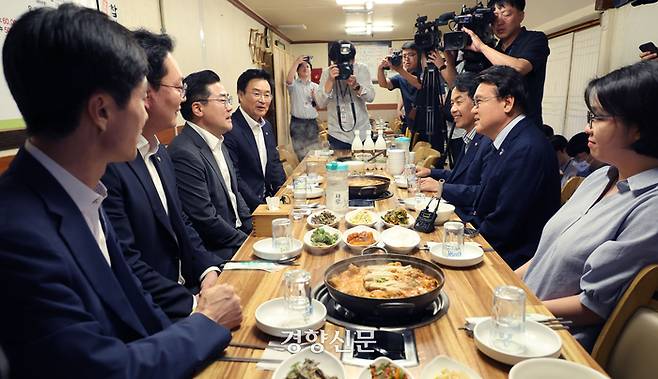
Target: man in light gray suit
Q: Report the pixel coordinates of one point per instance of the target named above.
(204, 172)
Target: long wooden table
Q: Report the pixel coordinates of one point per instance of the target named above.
(470, 293)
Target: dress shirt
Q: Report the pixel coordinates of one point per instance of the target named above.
(257, 129)
(340, 95)
(467, 138)
(500, 138)
(301, 99)
(87, 200)
(146, 151)
(594, 249)
(215, 145)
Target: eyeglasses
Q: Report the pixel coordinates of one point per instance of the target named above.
(481, 100)
(591, 117)
(265, 96)
(181, 89)
(225, 99)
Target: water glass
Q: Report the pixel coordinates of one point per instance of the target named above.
(453, 239)
(297, 293)
(281, 234)
(299, 188)
(508, 314)
(312, 174)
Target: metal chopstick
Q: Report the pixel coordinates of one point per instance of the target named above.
(227, 358)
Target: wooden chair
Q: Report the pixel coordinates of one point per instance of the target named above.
(395, 125)
(569, 188)
(626, 347)
(287, 168)
(424, 152)
(421, 144)
(431, 161)
(287, 155)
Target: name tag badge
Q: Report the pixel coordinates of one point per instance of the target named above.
(343, 114)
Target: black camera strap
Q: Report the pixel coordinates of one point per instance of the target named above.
(339, 92)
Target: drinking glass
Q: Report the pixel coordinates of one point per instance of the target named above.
(297, 293)
(281, 234)
(299, 189)
(508, 312)
(453, 239)
(312, 174)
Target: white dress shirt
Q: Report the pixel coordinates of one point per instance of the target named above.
(257, 129)
(87, 200)
(500, 138)
(215, 145)
(146, 151)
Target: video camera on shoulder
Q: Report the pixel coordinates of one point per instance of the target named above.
(342, 53)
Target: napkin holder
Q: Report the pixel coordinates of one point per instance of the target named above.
(262, 218)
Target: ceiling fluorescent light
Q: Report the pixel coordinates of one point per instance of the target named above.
(357, 30)
(350, 2)
(389, 1)
(293, 26)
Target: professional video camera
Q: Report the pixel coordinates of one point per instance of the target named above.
(428, 35)
(345, 67)
(478, 19)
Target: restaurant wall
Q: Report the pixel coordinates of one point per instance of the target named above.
(209, 34)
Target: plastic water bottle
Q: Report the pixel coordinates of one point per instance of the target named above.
(337, 191)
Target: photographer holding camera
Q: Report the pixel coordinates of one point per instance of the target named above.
(345, 88)
(303, 115)
(523, 50)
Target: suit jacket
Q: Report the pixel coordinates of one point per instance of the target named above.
(79, 316)
(520, 192)
(164, 240)
(205, 196)
(463, 181)
(241, 144)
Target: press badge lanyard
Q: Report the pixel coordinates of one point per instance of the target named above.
(340, 114)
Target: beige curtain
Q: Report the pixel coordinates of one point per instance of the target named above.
(282, 62)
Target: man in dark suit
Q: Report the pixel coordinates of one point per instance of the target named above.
(521, 186)
(204, 171)
(143, 204)
(251, 143)
(463, 182)
(76, 306)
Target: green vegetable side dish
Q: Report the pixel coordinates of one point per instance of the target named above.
(321, 237)
(397, 217)
(307, 370)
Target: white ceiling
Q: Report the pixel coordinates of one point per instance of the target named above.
(325, 21)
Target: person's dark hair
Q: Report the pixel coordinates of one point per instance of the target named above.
(305, 61)
(578, 144)
(465, 82)
(156, 46)
(518, 4)
(55, 59)
(548, 130)
(559, 142)
(197, 90)
(508, 82)
(630, 94)
(409, 45)
(251, 74)
(334, 50)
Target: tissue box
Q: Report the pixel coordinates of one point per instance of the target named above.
(262, 218)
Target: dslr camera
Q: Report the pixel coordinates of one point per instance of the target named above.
(342, 60)
(395, 59)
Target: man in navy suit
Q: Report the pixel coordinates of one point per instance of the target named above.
(463, 182)
(204, 171)
(143, 204)
(76, 306)
(251, 143)
(520, 189)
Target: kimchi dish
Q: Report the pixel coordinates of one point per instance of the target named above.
(387, 281)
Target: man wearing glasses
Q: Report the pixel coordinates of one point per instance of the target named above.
(520, 187)
(251, 142)
(143, 202)
(204, 171)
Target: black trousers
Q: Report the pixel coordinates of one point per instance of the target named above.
(305, 135)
